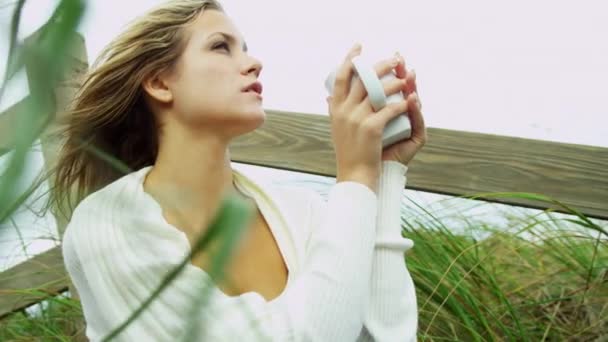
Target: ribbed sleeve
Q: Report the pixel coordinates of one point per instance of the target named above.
(74, 268)
(392, 314)
(126, 249)
(338, 266)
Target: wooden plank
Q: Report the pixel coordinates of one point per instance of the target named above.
(452, 162)
(44, 272)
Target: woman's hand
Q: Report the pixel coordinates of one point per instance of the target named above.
(404, 150)
(356, 128)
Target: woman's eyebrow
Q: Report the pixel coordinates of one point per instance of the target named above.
(230, 38)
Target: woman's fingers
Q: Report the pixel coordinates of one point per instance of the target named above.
(342, 83)
(419, 134)
(358, 92)
(379, 120)
(384, 67)
(412, 106)
(390, 87)
(413, 86)
(408, 75)
(400, 70)
(416, 119)
(393, 86)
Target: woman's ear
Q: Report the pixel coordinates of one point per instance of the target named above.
(157, 87)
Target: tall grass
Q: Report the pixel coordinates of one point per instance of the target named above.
(537, 280)
(59, 318)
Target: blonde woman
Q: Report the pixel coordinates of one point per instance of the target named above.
(165, 99)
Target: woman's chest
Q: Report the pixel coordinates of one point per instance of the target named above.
(256, 264)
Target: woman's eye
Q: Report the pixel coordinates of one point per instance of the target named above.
(223, 44)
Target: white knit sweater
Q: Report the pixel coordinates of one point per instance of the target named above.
(347, 279)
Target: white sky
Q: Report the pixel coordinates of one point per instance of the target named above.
(533, 69)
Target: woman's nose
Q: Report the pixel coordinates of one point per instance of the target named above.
(255, 66)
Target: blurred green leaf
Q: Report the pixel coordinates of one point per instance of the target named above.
(48, 53)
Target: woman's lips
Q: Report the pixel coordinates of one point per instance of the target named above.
(255, 86)
(259, 96)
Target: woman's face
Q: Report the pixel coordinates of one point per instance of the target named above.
(208, 81)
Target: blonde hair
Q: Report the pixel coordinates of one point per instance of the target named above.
(108, 116)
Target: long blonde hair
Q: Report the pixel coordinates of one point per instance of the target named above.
(108, 116)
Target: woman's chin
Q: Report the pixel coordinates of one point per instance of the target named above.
(250, 120)
(260, 117)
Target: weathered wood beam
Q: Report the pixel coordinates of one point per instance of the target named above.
(452, 162)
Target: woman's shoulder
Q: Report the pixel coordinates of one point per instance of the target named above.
(298, 203)
(296, 196)
(119, 215)
(104, 208)
(116, 193)
(298, 192)
(288, 197)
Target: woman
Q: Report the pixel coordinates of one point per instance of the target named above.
(165, 99)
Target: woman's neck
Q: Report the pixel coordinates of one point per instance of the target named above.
(189, 180)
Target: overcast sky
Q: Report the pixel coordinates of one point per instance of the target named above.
(534, 69)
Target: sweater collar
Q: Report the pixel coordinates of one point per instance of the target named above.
(261, 191)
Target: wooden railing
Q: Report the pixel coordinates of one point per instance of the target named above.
(452, 162)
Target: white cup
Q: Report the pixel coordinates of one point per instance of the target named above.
(396, 129)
